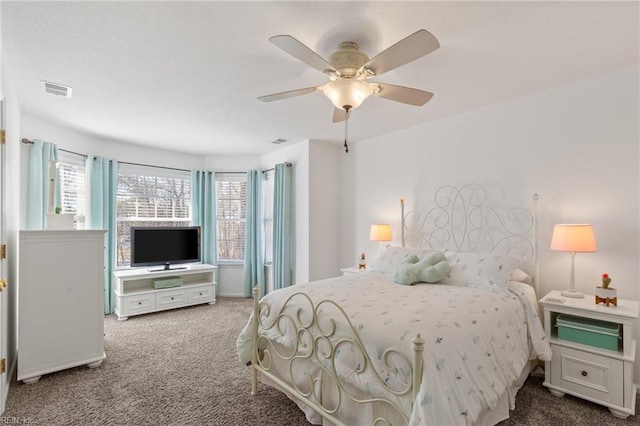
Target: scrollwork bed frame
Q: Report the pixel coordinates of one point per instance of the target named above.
(460, 220)
(318, 341)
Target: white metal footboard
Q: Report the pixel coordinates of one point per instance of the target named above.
(316, 340)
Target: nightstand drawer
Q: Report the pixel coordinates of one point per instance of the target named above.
(588, 374)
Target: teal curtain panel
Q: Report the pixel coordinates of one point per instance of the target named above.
(254, 236)
(282, 227)
(41, 154)
(203, 212)
(103, 181)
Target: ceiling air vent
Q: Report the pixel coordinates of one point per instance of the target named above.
(56, 89)
(278, 141)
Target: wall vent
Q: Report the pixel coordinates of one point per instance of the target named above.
(56, 89)
(278, 141)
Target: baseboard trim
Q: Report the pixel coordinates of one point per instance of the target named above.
(231, 295)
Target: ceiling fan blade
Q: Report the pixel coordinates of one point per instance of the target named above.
(408, 49)
(301, 52)
(406, 95)
(289, 94)
(339, 115)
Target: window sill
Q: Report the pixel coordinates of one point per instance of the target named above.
(230, 263)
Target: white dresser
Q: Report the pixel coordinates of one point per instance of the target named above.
(60, 301)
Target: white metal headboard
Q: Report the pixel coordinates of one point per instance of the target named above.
(461, 221)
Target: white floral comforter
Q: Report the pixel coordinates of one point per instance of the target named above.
(477, 341)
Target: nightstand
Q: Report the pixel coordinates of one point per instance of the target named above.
(352, 271)
(600, 375)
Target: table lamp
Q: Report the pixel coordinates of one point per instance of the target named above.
(380, 232)
(573, 238)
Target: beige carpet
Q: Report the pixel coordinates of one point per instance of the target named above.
(180, 367)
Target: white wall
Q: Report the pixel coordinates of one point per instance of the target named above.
(82, 143)
(229, 277)
(576, 145)
(298, 155)
(315, 206)
(323, 210)
(314, 187)
(232, 279)
(229, 163)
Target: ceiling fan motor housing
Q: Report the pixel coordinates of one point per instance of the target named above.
(348, 59)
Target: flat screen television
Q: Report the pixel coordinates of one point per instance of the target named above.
(166, 246)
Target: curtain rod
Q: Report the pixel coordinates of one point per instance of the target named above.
(27, 142)
(273, 168)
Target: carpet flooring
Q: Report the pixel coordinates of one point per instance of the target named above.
(180, 367)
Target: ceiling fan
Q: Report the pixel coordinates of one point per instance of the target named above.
(349, 69)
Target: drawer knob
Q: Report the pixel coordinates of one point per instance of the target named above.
(584, 373)
(139, 303)
(172, 299)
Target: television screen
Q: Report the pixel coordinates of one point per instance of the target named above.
(164, 245)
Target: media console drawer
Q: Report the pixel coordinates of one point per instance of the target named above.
(202, 294)
(139, 304)
(171, 299)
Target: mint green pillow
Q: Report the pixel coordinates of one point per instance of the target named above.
(431, 269)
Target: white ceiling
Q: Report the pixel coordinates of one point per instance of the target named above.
(185, 75)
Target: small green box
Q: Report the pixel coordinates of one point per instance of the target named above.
(167, 282)
(587, 331)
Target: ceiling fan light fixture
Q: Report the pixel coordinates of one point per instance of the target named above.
(347, 93)
(349, 68)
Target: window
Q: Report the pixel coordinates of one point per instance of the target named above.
(71, 184)
(149, 196)
(231, 194)
(267, 213)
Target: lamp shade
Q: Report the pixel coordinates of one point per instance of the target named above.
(347, 93)
(380, 232)
(575, 238)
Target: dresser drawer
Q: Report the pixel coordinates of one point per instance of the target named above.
(139, 304)
(588, 374)
(171, 299)
(202, 294)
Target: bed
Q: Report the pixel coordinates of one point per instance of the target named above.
(364, 350)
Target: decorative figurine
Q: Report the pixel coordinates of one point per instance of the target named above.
(362, 262)
(606, 294)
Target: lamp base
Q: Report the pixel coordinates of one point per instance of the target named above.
(572, 293)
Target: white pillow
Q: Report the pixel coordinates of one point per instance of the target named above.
(392, 256)
(520, 276)
(481, 270)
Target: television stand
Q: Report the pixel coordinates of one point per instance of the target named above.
(168, 268)
(135, 294)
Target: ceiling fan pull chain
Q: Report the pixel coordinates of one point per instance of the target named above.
(346, 130)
